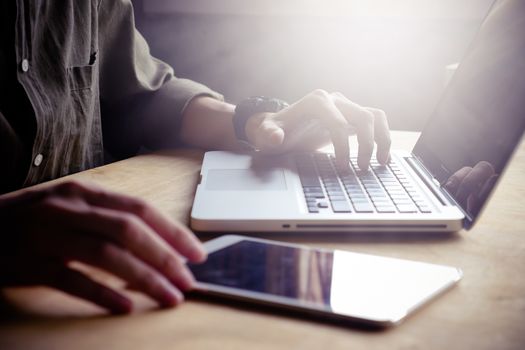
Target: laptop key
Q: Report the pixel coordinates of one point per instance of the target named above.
(376, 193)
(313, 209)
(340, 206)
(359, 199)
(425, 209)
(385, 209)
(311, 204)
(334, 190)
(309, 180)
(354, 189)
(314, 194)
(337, 198)
(407, 208)
(397, 194)
(312, 189)
(402, 201)
(395, 187)
(363, 207)
(381, 202)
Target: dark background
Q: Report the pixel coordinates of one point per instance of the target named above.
(394, 60)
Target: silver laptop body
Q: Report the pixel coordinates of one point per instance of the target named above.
(252, 192)
(481, 118)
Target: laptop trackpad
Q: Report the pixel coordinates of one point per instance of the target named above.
(245, 180)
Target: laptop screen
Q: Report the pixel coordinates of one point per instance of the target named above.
(481, 117)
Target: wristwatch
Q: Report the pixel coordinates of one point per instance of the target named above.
(249, 107)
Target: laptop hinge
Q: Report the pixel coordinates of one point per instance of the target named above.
(431, 182)
(434, 185)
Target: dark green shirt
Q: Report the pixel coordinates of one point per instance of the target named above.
(76, 76)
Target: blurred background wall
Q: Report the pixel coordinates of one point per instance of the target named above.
(385, 53)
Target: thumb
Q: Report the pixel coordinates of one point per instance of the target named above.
(271, 135)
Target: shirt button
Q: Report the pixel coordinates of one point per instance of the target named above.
(38, 159)
(25, 65)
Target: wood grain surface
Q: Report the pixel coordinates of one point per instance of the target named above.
(485, 311)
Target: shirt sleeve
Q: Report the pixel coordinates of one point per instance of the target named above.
(142, 101)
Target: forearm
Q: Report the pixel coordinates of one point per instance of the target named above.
(207, 123)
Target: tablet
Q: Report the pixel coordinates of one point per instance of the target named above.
(334, 284)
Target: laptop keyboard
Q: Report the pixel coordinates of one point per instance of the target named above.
(382, 189)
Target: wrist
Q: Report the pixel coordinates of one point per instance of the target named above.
(252, 126)
(206, 123)
(249, 115)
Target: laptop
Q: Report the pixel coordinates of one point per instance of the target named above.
(478, 124)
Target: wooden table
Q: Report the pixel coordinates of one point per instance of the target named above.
(485, 311)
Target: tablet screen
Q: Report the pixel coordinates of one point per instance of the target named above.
(342, 282)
